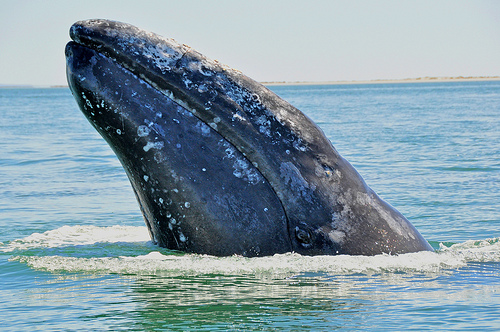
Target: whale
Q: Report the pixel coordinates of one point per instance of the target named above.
(219, 164)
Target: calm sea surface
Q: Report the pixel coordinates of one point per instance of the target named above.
(75, 253)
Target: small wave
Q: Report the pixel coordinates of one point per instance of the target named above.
(487, 250)
(79, 235)
(156, 263)
(468, 169)
(172, 263)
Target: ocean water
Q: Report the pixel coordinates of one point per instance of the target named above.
(75, 253)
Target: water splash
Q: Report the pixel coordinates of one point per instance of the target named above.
(112, 259)
(78, 235)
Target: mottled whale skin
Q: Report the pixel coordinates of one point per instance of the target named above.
(219, 164)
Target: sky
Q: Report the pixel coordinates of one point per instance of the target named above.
(272, 40)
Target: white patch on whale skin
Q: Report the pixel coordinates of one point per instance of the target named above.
(203, 128)
(153, 145)
(87, 101)
(292, 176)
(143, 131)
(205, 67)
(163, 55)
(243, 171)
(202, 88)
(242, 168)
(237, 116)
(182, 237)
(336, 236)
(188, 83)
(264, 125)
(299, 145)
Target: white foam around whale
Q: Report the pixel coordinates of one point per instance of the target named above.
(163, 262)
(79, 235)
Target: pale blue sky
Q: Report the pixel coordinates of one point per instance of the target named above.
(272, 40)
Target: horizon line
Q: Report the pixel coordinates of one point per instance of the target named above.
(425, 79)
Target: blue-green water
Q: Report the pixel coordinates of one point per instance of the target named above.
(75, 254)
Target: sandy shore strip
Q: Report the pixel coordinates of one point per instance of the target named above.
(390, 81)
(379, 81)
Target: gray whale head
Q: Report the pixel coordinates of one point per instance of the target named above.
(219, 164)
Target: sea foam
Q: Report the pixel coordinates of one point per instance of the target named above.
(159, 261)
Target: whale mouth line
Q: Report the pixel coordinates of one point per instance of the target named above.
(84, 37)
(151, 72)
(181, 102)
(168, 94)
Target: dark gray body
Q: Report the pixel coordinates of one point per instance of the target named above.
(220, 164)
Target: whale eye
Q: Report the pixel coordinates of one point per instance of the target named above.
(303, 236)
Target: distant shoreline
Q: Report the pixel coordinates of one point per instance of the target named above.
(379, 81)
(391, 81)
